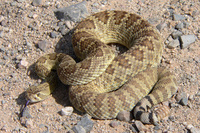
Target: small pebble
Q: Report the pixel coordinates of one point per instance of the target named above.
(176, 34)
(67, 111)
(177, 17)
(186, 40)
(23, 63)
(53, 34)
(26, 113)
(180, 96)
(184, 101)
(114, 123)
(72, 13)
(43, 45)
(124, 116)
(179, 26)
(173, 44)
(37, 2)
(86, 123)
(161, 26)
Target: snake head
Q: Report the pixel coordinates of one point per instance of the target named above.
(36, 94)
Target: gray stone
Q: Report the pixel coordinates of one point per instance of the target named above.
(114, 123)
(25, 113)
(186, 40)
(161, 26)
(179, 26)
(124, 116)
(180, 96)
(86, 123)
(184, 101)
(37, 2)
(186, 24)
(53, 34)
(43, 45)
(73, 12)
(175, 34)
(173, 44)
(79, 129)
(177, 17)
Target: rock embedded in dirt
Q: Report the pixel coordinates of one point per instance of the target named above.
(176, 34)
(173, 44)
(86, 123)
(179, 26)
(184, 101)
(180, 96)
(53, 34)
(186, 40)
(114, 123)
(161, 26)
(37, 2)
(177, 17)
(44, 45)
(26, 113)
(73, 13)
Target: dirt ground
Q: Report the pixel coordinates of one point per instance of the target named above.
(23, 26)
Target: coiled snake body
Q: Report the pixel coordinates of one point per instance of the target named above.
(104, 84)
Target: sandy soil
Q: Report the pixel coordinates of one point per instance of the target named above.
(23, 25)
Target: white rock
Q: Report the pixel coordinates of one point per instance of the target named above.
(67, 111)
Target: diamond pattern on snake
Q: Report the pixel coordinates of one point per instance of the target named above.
(103, 84)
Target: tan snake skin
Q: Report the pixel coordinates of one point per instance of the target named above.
(104, 84)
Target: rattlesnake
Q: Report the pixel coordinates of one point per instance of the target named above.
(104, 84)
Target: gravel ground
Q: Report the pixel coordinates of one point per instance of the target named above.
(30, 29)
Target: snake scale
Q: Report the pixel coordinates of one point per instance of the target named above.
(103, 83)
